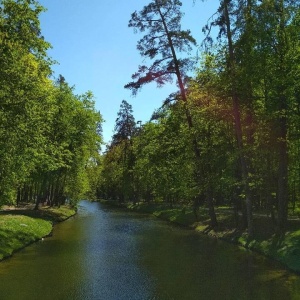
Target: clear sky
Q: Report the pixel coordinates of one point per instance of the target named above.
(96, 50)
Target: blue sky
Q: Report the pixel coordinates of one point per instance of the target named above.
(96, 50)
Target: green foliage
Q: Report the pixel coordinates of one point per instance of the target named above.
(23, 75)
(241, 108)
(117, 176)
(125, 124)
(163, 40)
(47, 134)
(257, 68)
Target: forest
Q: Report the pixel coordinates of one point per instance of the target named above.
(229, 136)
(50, 137)
(219, 156)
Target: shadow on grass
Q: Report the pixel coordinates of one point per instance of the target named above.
(14, 240)
(8, 238)
(48, 214)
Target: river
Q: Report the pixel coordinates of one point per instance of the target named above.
(104, 253)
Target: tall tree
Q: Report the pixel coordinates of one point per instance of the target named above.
(163, 42)
(125, 129)
(259, 74)
(281, 41)
(24, 90)
(125, 124)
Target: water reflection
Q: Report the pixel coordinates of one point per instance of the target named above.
(108, 254)
(188, 266)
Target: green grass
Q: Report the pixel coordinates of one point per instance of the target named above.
(52, 214)
(19, 228)
(284, 248)
(17, 231)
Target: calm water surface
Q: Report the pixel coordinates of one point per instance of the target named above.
(109, 254)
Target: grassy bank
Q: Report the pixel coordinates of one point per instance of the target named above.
(21, 227)
(284, 248)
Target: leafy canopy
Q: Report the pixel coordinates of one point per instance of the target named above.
(161, 20)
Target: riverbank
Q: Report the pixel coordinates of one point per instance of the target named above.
(283, 248)
(20, 227)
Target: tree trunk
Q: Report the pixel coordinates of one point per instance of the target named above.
(282, 50)
(211, 209)
(186, 110)
(237, 121)
(282, 175)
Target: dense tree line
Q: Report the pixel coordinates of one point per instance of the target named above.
(230, 135)
(49, 137)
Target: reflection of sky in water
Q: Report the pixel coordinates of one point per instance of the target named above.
(108, 254)
(116, 272)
